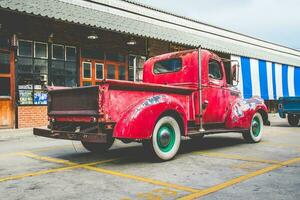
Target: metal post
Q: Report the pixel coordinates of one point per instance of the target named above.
(201, 129)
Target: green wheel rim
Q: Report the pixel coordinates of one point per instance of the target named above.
(166, 137)
(256, 126)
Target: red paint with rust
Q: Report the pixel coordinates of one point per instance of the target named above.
(134, 108)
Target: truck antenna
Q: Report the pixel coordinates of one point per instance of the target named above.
(201, 129)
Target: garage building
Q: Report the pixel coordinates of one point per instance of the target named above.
(80, 42)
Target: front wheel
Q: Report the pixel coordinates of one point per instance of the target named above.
(99, 147)
(165, 140)
(254, 134)
(293, 120)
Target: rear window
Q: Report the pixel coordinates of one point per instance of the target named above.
(215, 70)
(166, 66)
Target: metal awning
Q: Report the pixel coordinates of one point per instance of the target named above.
(78, 12)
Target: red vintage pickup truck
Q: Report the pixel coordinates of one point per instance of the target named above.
(179, 96)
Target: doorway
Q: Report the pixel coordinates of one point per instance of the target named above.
(6, 89)
(93, 71)
(136, 66)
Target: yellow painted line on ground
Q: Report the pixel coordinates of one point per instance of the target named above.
(249, 166)
(41, 150)
(54, 148)
(42, 172)
(46, 158)
(239, 179)
(235, 157)
(110, 172)
(8, 154)
(142, 179)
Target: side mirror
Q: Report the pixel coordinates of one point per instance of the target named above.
(233, 72)
(235, 69)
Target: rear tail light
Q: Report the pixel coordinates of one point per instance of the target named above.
(93, 119)
(51, 119)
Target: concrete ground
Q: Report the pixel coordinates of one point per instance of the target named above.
(217, 167)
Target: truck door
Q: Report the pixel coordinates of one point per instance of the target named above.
(214, 95)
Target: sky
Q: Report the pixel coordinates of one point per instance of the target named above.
(276, 21)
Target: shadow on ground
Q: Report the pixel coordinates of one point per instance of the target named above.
(136, 154)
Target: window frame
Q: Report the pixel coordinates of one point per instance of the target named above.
(9, 87)
(64, 59)
(124, 68)
(96, 71)
(115, 65)
(220, 67)
(161, 73)
(18, 49)
(34, 54)
(91, 73)
(73, 47)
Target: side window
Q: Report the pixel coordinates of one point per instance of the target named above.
(215, 70)
(165, 66)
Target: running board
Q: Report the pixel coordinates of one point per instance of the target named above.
(214, 131)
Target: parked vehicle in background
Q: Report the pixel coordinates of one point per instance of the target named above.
(179, 96)
(290, 107)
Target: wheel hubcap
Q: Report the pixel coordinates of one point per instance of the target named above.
(256, 126)
(166, 137)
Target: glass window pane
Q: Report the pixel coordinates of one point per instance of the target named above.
(111, 71)
(87, 83)
(58, 67)
(71, 53)
(58, 80)
(4, 43)
(71, 81)
(40, 81)
(4, 63)
(115, 57)
(71, 68)
(122, 75)
(25, 81)
(165, 66)
(25, 65)
(5, 86)
(41, 66)
(87, 70)
(92, 54)
(25, 48)
(99, 71)
(41, 50)
(215, 70)
(58, 52)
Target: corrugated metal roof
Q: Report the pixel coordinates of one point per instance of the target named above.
(94, 15)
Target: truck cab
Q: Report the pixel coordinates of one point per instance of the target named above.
(179, 96)
(218, 90)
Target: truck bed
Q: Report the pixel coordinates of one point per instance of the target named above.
(111, 97)
(289, 105)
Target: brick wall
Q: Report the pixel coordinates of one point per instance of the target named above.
(32, 116)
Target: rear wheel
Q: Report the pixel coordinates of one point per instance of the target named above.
(293, 120)
(254, 134)
(99, 147)
(165, 140)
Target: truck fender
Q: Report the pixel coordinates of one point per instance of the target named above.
(138, 122)
(241, 113)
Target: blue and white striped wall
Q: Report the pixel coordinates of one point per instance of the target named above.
(268, 80)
